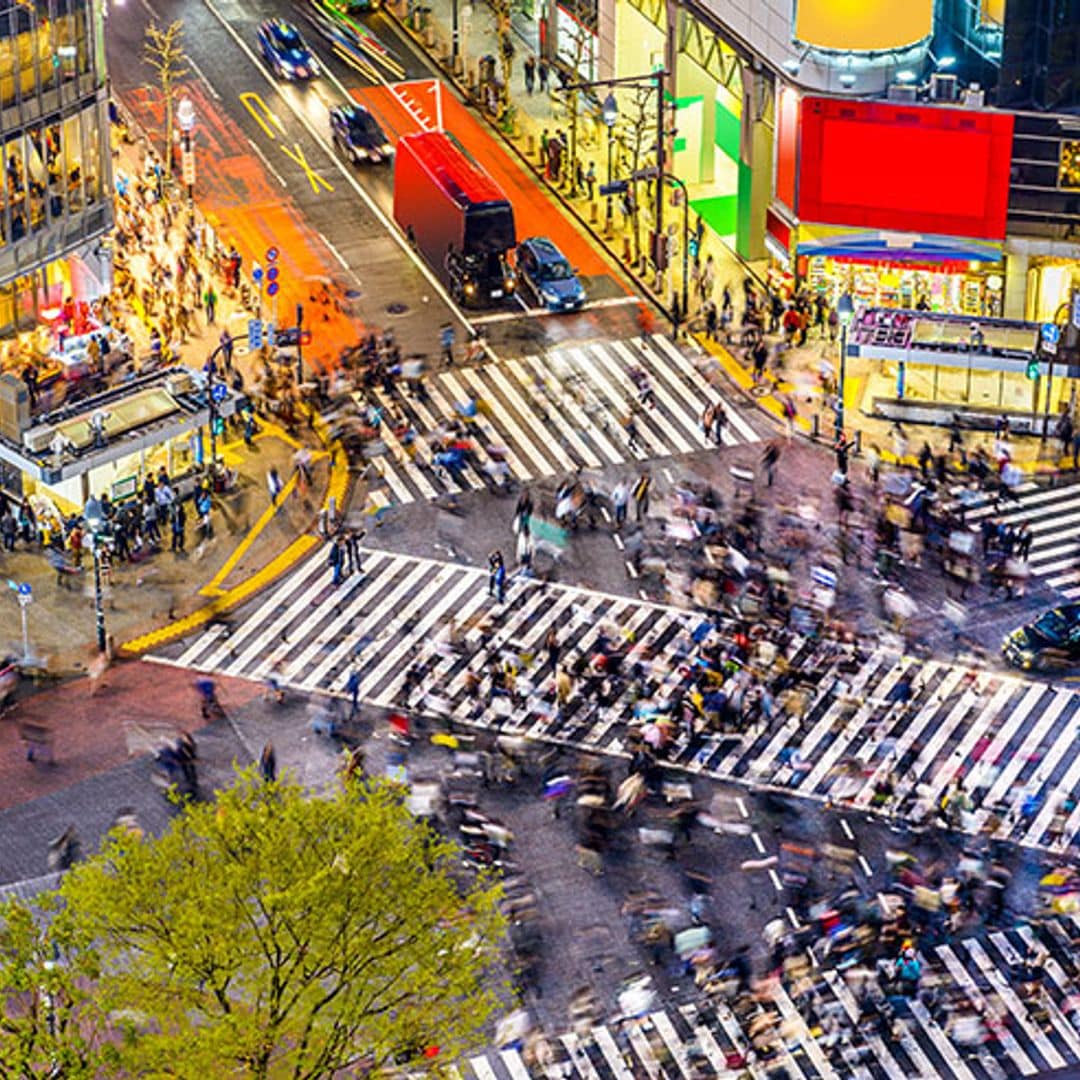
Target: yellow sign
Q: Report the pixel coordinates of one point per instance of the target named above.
(863, 25)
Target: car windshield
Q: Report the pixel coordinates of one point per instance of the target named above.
(1051, 625)
(287, 37)
(363, 124)
(559, 270)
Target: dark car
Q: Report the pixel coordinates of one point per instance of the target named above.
(285, 50)
(1052, 640)
(358, 136)
(546, 271)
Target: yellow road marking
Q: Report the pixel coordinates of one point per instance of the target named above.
(268, 117)
(297, 155)
(214, 586)
(285, 561)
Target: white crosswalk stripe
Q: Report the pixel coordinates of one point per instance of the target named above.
(1013, 742)
(1054, 517)
(554, 414)
(707, 1039)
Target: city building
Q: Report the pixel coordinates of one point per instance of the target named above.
(55, 196)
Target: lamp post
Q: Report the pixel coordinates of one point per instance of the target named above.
(685, 240)
(185, 121)
(657, 78)
(845, 309)
(95, 520)
(610, 114)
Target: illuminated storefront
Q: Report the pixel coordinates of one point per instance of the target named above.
(55, 192)
(861, 211)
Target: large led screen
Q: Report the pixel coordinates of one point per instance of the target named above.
(880, 165)
(863, 25)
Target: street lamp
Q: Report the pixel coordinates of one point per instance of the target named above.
(845, 309)
(610, 114)
(94, 517)
(657, 79)
(185, 121)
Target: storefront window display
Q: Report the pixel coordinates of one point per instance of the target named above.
(954, 288)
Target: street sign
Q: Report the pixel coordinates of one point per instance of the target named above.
(272, 289)
(649, 173)
(272, 273)
(187, 167)
(256, 273)
(1076, 309)
(220, 392)
(255, 333)
(1051, 333)
(271, 335)
(616, 187)
(271, 254)
(25, 593)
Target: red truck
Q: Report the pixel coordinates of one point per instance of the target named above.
(456, 215)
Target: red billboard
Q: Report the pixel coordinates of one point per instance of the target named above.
(909, 168)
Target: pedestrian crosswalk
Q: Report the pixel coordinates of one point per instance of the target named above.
(858, 726)
(831, 1034)
(553, 414)
(1054, 516)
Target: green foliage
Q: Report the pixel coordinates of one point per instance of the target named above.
(275, 934)
(50, 1024)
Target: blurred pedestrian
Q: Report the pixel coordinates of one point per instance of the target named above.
(268, 763)
(769, 458)
(274, 484)
(530, 73)
(641, 495)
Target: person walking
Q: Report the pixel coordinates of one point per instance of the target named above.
(641, 495)
(268, 764)
(336, 559)
(542, 74)
(769, 459)
(274, 484)
(496, 575)
(226, 343)
(177, 521)
(352, 688)
(590, 180)
(620, 496)
(530, 73)
(352, 548)
(719, 420)
(210, 299)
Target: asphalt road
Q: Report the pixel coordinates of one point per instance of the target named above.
(263, 147)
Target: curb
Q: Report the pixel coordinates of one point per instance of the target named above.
(246, 589)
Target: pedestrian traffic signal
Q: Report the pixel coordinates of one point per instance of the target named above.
(1033, 369)
(693, 247)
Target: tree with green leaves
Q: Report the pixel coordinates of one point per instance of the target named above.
(163, 50)
(272, 933)
(50, 1022)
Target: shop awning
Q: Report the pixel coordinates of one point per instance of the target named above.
(895, 247)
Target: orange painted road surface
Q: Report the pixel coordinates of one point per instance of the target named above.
(408, 107)
(246, 207)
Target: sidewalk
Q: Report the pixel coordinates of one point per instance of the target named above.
(252, 541)
(799, 378)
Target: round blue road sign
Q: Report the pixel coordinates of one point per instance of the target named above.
(272, 288)
(271, 254)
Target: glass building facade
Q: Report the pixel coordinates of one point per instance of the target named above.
(55, 191)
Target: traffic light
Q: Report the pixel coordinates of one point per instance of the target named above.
(1032, 369)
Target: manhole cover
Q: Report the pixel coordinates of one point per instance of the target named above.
(397, 308)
